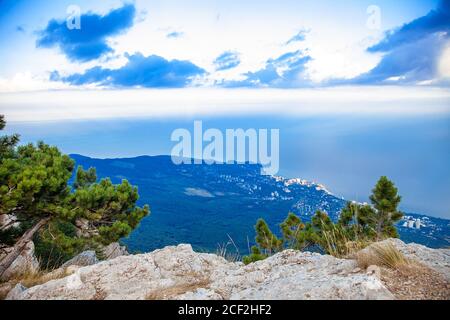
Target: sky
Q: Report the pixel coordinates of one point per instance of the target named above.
(263, 44)
(358, 88)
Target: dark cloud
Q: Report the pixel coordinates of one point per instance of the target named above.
(408, 64)
(91, 40)
(411, 52)
(227, 60)
(140, 71)
(435, 21)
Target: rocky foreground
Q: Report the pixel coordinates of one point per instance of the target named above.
(180, 273)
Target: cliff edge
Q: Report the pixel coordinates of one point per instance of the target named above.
(180, 273)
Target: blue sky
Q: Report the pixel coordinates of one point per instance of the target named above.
(263, 44)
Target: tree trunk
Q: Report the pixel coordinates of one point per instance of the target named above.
(19, 246)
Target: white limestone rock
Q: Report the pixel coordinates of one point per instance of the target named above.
(180, 273)
(15, 293)
(114, 250)
(86, 258)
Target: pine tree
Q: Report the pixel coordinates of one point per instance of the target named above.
(7, 143)
(85, 178)
(110, 209)
(34, 188)
(349, 215)
(316, 230)
(321, 220)
(267, 243)
(292, 229)
(385, 200)
(266, 240)
(33, 182)
(357, 226)
(355, 219)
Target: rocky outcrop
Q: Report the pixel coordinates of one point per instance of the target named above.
(180, 273)
(114, 250)
(25, 263)
(436, 259)
(16, 292)
(86, 258)
(5, 288)
(421, 273)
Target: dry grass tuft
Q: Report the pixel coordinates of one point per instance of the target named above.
(382, 255)
(32, 279)
(406, 279)
(338, 244)
(230, 256)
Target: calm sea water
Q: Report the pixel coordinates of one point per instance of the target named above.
(347, 154)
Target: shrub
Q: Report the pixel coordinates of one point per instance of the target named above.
(254, 256)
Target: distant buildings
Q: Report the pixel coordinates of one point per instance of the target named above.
(417, 224)
(412, 223)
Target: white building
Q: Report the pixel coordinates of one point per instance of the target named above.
(417, 224)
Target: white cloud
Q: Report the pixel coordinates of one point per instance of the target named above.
(26, 81)
(444, 62)
(257, 30)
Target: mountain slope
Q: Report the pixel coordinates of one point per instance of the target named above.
(207, 205)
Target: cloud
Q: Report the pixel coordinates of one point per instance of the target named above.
(435, 21)
(90, 42)
(300, 36)
(411, 63)
(411, 52)
(147, 72)
(174, 35)
(283, 72)
(227, 60)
